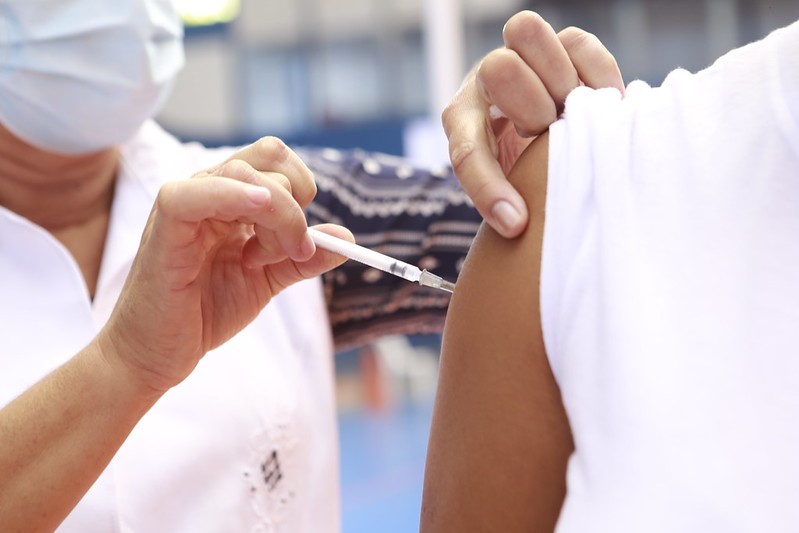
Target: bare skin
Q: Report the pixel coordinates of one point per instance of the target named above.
(68, 196)
(216, 249)
(218, 255)
(500, 438)
(528, 81)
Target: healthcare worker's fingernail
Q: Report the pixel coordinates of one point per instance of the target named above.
(307, 248)
(257, 196)
(508, 218)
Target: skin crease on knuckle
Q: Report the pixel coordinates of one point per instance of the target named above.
(449, 117)
(281, 179)
(294, 273)
(466, 103)
(301, 183)
(239, 170)
(460, 154)
(262, 248)
(286, 222)
(212, 171)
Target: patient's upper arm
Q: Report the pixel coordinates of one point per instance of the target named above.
(500, 438)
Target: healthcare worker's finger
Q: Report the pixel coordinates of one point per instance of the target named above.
(270, 250)
(288, 272)
(284, 217)
(270, 154)
(183, 204)
(510, 84)
(264, 248)
(534, 40)
(473, 153)
(595, 65)
(284, 221)
(180, 205)
(240, 170)
(176, 219)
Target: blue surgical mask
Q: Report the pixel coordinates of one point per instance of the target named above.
(78, 76)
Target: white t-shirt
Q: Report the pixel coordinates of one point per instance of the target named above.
(246, 443)
(670, 297)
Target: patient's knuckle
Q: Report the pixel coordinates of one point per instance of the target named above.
(447, 115)
(461, 153)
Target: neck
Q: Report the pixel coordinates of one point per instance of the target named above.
(70, 196)
(51, 190)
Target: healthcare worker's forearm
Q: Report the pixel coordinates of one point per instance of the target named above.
(58, 436)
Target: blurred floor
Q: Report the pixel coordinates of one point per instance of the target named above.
(385, 405)
(382, 468)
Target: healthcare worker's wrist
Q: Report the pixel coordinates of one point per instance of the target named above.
(127, 381)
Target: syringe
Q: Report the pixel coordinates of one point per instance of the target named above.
(379, 261)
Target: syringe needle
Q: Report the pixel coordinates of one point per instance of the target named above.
(379, 261)
(428, 279)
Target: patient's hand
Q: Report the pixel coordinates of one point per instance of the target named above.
(511, 96)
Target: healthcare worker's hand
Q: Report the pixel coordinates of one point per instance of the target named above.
(511, 96)
(216, 249)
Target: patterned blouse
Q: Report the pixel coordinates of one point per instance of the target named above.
(421, 217)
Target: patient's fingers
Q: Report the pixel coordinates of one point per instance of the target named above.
(509, 83)
(534, 40)
(595, 65)
(473, 152)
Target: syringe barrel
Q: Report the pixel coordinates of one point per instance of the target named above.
(365, 255)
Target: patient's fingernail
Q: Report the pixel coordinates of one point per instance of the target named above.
(508, 218)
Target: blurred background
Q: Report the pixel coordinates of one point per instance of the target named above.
(375, 74)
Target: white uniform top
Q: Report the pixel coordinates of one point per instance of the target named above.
(670, 297)
(247, 443)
